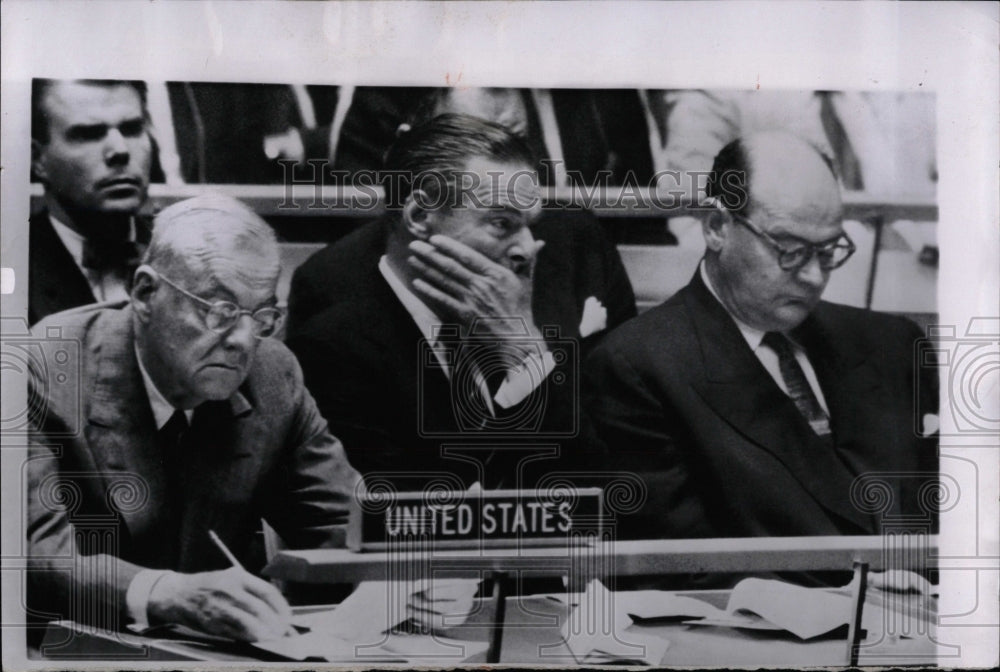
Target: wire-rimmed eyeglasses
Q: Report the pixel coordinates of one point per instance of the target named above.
(221, 316)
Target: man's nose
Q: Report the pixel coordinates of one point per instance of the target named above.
(241, 335)
(115, 147)
(813, 274)
(523, 249)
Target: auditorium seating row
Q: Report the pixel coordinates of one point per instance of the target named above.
(894, 269)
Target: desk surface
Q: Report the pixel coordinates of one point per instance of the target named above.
(532, 635)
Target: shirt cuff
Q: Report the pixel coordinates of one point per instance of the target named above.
(519, 384)
(137, 595)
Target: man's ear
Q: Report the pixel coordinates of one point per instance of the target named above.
(144, 286)
(418, 220)
(37, 165)
(715, 227)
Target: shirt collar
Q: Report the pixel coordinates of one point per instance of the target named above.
(162, 410)
(426, 320)
(73, 241)
(753, 336)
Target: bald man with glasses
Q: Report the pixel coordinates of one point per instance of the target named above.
(171, 416)
(750, 406)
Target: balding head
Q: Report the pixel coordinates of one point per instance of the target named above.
(784, 187)
(210, 235)
(790, 177)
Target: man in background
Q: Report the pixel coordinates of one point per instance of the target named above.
(92, 152)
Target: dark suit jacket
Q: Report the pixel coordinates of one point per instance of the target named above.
(391, 405)
(55, 282)
(265, 452)
(678, 395)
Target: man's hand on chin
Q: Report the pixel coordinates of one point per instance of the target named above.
(229, 603)
(463, 285)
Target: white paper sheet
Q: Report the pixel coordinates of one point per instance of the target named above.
(595, 631)
(763, 604)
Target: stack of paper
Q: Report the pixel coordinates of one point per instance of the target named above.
(358, 628)
(595, 632)
(762, 604)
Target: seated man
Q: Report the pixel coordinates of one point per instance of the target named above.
(577, 267)
(750, 406)
(92, 151)
(180, 416)
(451, 270)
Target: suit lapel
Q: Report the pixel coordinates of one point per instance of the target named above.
(744, 395)
(854, 392)
(121, 431)
(554, 299)
(56, 282)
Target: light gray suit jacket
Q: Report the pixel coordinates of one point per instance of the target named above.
(99, 509)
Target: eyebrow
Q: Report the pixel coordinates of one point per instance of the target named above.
(783, 235)
(222, 293)
(99, 129)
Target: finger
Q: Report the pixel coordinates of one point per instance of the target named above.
(270, 595)
(258, 618)
(436, 278)
(441, 302)
(258, 605)
(462, 253)
(239, 616)
(445, 264)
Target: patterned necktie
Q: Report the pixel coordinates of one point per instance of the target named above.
(798, 386)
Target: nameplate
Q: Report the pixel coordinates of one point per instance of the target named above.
(475, 519)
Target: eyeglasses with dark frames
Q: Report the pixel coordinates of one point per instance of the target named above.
(221, 316)
(831, 255)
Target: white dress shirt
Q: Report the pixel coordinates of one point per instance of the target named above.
(768, 357)
(516, 386)
(109, 286)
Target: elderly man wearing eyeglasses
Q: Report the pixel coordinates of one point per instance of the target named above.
(174, 414)
(750, 406)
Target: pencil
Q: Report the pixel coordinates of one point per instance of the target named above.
(225, 551)
(291, 631)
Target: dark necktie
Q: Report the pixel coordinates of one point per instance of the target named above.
(469, 364)
(172, 437)
(798, 386)
(172, 432)
(108, 256)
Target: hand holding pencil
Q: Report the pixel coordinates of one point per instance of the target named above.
(230, 603)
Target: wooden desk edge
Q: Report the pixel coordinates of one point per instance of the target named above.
(621, 558)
